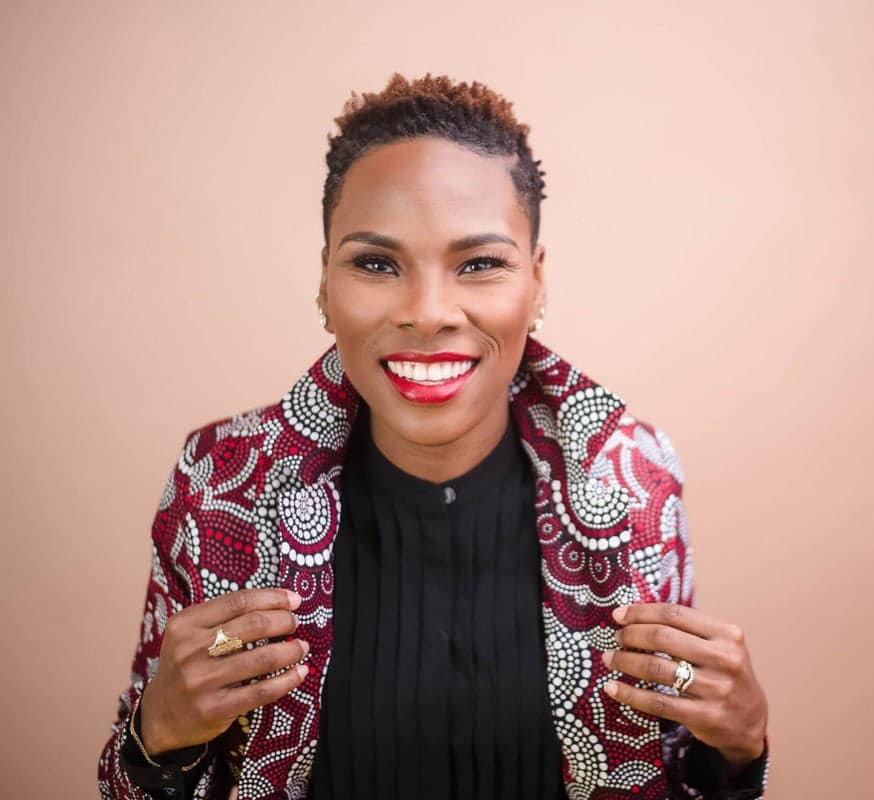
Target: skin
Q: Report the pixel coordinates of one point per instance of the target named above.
(423, 295)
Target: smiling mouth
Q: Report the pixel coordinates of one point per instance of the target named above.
(429, 374)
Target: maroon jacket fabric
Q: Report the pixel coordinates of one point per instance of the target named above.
(254, 501)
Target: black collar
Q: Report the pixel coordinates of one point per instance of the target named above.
(385, 477)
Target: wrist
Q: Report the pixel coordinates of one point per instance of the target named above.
(149, 754)
(150, 733)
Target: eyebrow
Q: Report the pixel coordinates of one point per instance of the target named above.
(465, 243)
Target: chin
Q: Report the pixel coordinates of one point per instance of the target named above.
(427, 424)
(424, 424)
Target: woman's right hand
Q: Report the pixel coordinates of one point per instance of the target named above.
(193, 696)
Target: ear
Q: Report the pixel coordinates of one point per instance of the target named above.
(323, 290)
(538, 299)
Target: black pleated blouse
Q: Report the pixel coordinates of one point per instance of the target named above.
(437, 684)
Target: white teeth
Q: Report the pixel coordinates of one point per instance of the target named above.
(434, 372)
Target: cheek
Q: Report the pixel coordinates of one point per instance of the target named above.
(503, 317)
(356, 311)
(358, 316)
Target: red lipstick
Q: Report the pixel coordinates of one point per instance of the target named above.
(427, 358)
(438, 392)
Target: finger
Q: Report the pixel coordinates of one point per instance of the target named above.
(240, 700)
(261, 625)
(679, 709)
(690, 620)
(656, 669)
(235, 604)
(247, 664)
(663, 639)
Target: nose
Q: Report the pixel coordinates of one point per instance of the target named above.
(429, 304)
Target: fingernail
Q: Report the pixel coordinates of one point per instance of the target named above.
(293, 598)
(610, 688)
(302, 670)
(607, 657)
(305, 645)
(619, 613)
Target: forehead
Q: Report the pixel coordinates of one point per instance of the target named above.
(428, 189)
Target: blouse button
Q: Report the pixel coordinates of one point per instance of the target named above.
(448, 494)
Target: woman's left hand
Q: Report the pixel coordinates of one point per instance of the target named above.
(725, 707)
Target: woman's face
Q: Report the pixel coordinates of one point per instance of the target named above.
(429, 255)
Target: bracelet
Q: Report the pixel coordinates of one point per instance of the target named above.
(143, 747)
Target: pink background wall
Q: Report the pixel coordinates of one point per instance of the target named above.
(708, 234)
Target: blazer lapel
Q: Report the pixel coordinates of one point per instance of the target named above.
(300, 515)
(585, 533)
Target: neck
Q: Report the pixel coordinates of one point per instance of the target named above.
(441, 461)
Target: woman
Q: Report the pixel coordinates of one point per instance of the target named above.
(488, 551)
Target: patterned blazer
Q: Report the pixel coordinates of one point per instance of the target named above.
(254, 501)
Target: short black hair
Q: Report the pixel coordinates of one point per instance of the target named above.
(470, 115)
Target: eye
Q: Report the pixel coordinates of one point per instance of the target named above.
(374, 264)
(489, 262)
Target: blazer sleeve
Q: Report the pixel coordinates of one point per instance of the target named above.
(695, 770)
(119, 777)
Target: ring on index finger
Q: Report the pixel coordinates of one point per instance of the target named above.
(224, 644)
(684, 676)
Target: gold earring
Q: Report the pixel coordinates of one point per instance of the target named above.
(538, 323)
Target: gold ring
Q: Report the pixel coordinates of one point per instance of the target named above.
(224, 644)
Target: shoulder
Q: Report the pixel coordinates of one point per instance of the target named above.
(637, 439)
(216, 439)
(640, 458)
(250, 423)
(220, 455)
